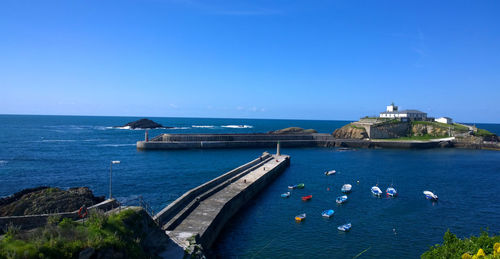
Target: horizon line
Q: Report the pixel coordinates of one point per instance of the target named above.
(195, 117)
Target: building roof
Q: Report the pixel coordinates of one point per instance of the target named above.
(404, 111)
(448, 118)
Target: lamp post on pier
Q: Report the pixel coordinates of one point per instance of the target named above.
(111, 176)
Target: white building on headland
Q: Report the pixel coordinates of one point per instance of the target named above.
(393, 113)
(444, 120)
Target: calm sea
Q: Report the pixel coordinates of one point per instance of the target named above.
(69, 151)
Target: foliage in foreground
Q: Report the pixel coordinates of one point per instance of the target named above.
(483, 246)
(65, 239)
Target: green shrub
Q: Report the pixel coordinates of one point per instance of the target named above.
(67, 238)
(453, 247)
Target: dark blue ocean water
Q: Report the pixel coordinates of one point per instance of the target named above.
(68, 151)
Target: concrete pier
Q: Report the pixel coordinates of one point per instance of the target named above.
(198, 216)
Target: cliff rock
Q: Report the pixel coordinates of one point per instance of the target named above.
(423, 129)
(47, 200)
(350, 131)
(293, 130)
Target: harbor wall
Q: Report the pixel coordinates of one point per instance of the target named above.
(221, 141)
(239, 200)
(214, 141)
(169, 212)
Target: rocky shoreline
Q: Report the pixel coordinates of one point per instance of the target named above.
(45, 200)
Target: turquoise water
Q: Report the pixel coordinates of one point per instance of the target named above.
(68, 151)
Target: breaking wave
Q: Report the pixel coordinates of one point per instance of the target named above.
(203, 126)
(116, 145)
(237, 126)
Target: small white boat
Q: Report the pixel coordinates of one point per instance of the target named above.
(430, 196)
(330, 172)
(346, 188)
(327, 213)
(376, 191)
(345, 227)
(285, 195)
(391, 192)
(341, 199)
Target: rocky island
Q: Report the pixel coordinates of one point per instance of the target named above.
(143, 124)
(293, 130)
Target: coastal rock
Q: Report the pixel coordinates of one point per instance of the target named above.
(424, 129)
(47, 200)
(293, 130)
(350, 131)
(143, 124)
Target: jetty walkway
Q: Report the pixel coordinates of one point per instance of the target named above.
(198, 216)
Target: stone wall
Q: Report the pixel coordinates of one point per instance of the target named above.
(389, 130)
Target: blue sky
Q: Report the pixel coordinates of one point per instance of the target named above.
(250, 59)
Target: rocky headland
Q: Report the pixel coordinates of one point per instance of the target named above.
(350, 131)
(43, 200)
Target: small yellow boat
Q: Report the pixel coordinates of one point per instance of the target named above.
(300, 217)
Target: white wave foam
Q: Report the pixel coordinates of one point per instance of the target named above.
(177, 128)
(116, 145)
(3, 162)
(125, 127)
(203, 126)
(57, 140)
(237, 126)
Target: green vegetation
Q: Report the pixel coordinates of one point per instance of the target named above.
(460, 128)
(474, 247)
(483, 133)
(65, 239)
(357, 127)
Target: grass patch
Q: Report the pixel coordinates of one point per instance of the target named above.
(67, 238)
(483, 133)
(357, 127)
(454, 247)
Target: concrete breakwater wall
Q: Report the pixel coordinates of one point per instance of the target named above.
(34, 221)
(206, 141)
(197, 217)
(168, 213)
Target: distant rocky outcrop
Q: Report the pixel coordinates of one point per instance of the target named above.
(350, 131)
(143, 124)
(293, 130)
(43, 200)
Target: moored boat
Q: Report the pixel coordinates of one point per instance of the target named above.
(306, 198)
(430, 196)
(376, 191)
(345, 227)
(300, 217)
(330, 172)
(327, 213)
(291, 187)
(300, 186)
(341, 199)
(391, 192)
(346, 188)
(285, 195)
